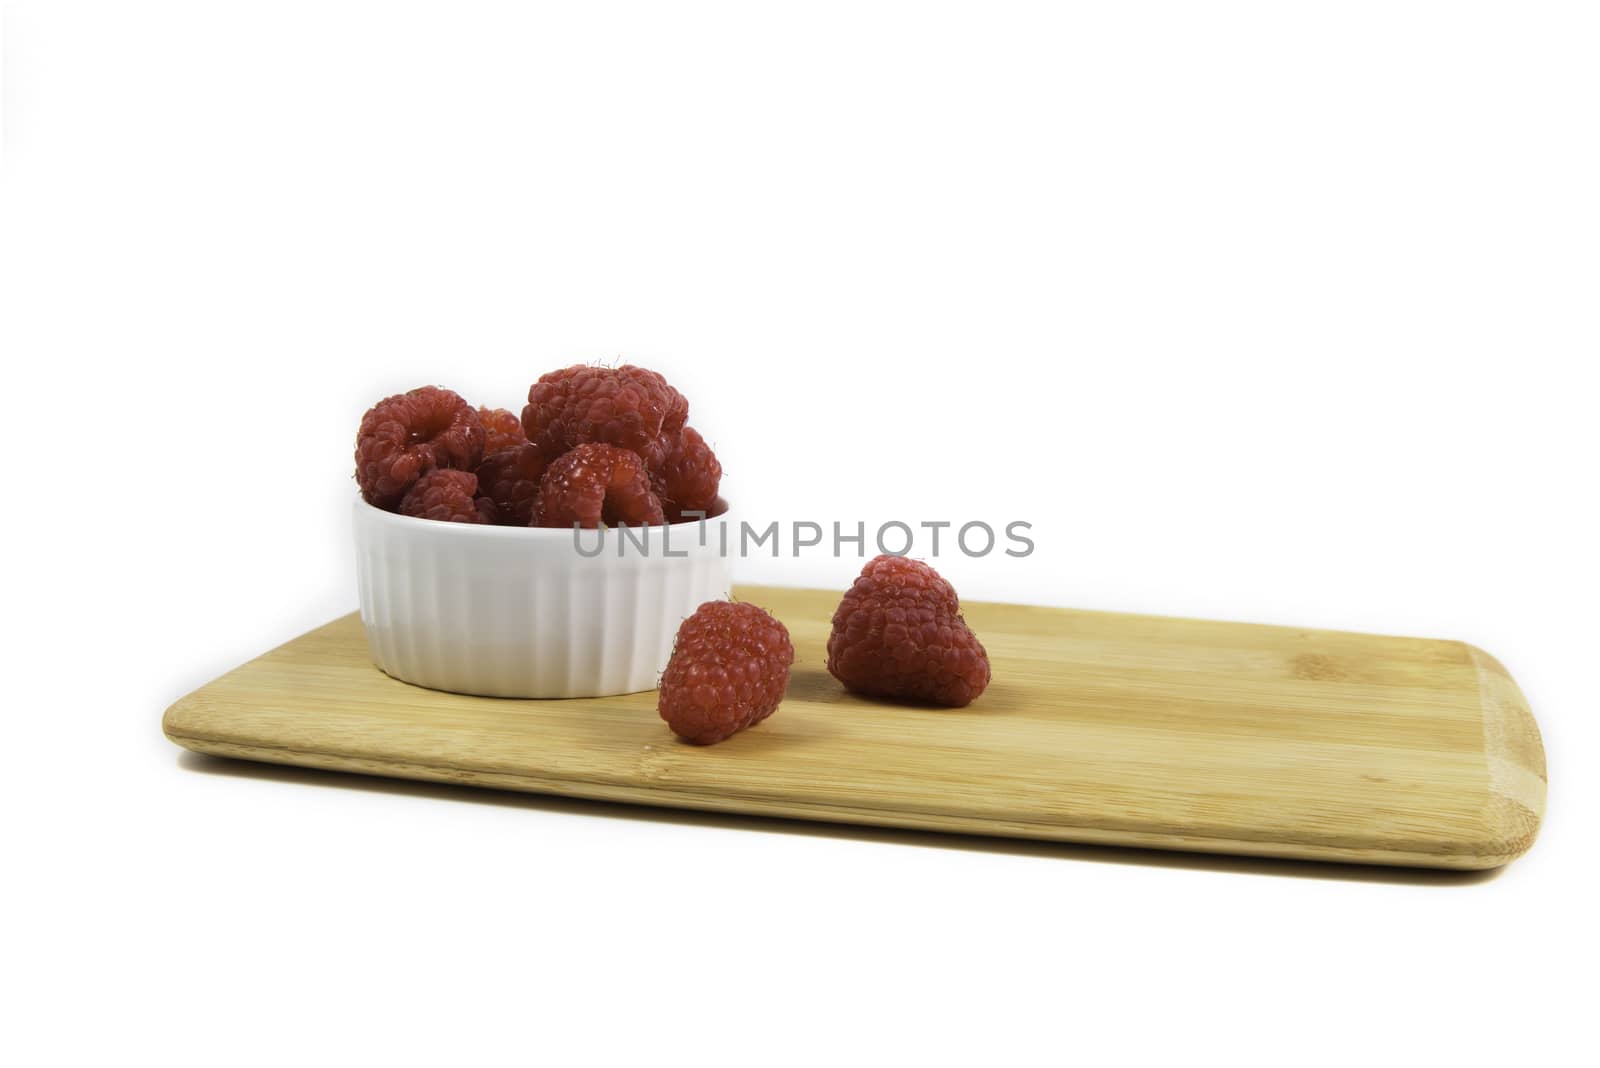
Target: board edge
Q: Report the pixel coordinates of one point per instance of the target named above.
(1514, 759)
(657, 796)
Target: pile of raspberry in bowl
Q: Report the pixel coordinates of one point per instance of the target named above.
(593, 446)
(610, 447)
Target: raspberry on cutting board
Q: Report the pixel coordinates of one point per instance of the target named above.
(403, 437)
(898, 633)
(729, 668)
(626, 406)
(593, 484)
(448, 495)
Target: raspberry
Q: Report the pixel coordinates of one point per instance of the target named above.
(687, 477)
(448, 495)
(729, 668)
(593, 484)
(405, 436)
(502, 429)
(677, 413)
(898, 632)
(655, 457)
(510, 478)
(626, 406)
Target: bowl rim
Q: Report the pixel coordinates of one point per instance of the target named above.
(490, 530)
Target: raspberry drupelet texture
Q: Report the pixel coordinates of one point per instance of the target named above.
(405, 436)
(502, 429)
(898, 633)
(729, 668)
(626, 406)
(510, 478)
(448, 495)
(595, 483)
(688, 476)
(677, 413)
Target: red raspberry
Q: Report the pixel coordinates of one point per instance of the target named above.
(405, 436)
(448, 495)
(688, 475)
(503, 429)
(626, 406)
(677, 413)
(510, 478)
(729, 668)
(655, 457)
(898, 632)
(593, 484)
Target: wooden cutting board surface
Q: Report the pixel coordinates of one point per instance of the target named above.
(1098, 727)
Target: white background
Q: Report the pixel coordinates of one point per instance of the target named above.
(1257, 311)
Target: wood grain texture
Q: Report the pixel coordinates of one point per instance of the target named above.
(1098, 727)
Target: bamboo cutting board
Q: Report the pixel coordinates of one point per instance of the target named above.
(1098, 727)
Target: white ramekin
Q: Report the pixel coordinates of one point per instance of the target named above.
(528, 612)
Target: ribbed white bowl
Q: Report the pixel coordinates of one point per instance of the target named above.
(522, 612)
